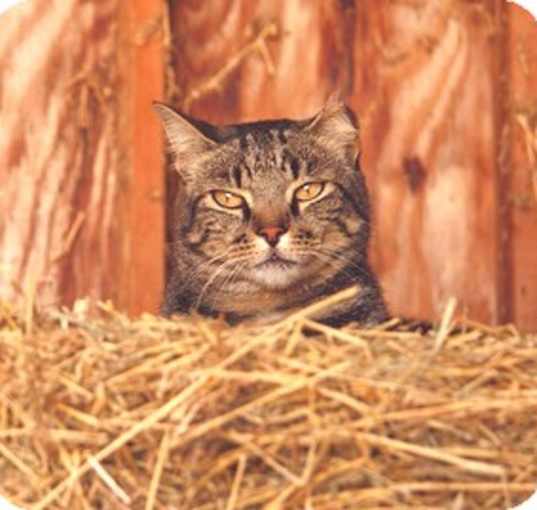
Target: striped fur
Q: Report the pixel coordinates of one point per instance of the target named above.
(222, 263)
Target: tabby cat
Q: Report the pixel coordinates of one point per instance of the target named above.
(271, 216)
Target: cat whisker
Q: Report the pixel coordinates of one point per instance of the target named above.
(208, 283)
(204, 265)
(216, 274)
(233, 274)
(347, 261)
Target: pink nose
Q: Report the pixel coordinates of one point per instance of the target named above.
(272, 234)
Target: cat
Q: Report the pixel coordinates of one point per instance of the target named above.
(270, 216)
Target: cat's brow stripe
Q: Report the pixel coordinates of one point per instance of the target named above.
(237, 176)
(293, 163)
(247, 169)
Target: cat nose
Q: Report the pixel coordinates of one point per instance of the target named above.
(272, 234)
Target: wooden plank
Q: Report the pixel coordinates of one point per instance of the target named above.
(208, 34)
(521, 165)
(141, 51)
(425, 89)
(270, 59)
(80, 153)
(58, 158)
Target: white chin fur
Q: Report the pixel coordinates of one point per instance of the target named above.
(275, 276)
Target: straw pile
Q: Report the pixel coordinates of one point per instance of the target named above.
(109, 412)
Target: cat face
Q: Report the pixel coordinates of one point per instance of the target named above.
(267, 207)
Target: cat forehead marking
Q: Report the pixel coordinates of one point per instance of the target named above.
(262, 149)
(261, 159)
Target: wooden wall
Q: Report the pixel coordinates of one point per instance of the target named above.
(437, 86)
(519, 169)
(81, 177)
(445, 91)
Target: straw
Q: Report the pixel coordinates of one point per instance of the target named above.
(107, 411)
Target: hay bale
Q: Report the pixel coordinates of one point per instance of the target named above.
(109, 412)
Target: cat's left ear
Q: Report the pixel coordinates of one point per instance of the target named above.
(336, 127)
(186, 139)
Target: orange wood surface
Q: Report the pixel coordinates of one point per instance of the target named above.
(289, 72)
(425, 91)
(81, 170)
(58, 152)
(142, 64)
(520, 166)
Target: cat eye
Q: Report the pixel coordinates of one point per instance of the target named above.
(227, 199)
(309, 191)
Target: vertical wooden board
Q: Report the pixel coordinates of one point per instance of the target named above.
(80, 165)
(239, 61)
(310, 58)
(424, 88)
(141, 44)
(206, 36)
(521, 167)
(58, 154)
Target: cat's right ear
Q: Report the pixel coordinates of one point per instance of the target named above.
(187, 143)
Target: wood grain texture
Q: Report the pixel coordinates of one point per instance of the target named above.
(424, 88)
(58, 163)
(78, 163)
(291, 75)
(206, 35)
(520, 165)
(141, 202)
